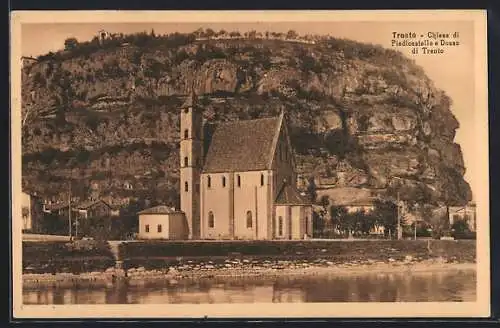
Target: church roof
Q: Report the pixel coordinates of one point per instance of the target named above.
(288, 195)
(242, 145)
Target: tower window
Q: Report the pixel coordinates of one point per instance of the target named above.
(186, 134)
(249, 219)
(186, 110)
(209, 181)
(223, 181)
(211, 220)
(261, 179)
(280, 226)
(186, 186)
(158, 228)
(186, 161)
(238, 178)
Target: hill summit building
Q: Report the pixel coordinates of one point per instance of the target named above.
(238, 179)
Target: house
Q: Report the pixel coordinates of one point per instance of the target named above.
(32, 212)
(162, 222)
(366, 205)
(28, 61)
(466, 213)
(92, 208)
(238, 179)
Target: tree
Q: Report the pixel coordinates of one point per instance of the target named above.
(311, 190)
(291, 34)
(460, 226)
(337, 213)
(386, 215)
(70, 44)
(209, 33)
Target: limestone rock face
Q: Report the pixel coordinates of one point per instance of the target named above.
(360, 116)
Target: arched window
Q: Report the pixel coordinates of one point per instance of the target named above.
(186, 110)
(211, 220)
(280, 226)
(223, 181)
(238, 178)
(249, 219)
(261, 179)
(186, 186)
(186, 161)
(186, 134)
(209, 181)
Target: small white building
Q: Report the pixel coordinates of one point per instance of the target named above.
(162, 222)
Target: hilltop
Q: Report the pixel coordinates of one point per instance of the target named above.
(364, 120)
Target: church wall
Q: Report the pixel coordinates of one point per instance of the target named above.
(177, 226)
(308, 213)
(217, 199)
(298, 224)
(254, 197)
(190, 204)
(283, 212)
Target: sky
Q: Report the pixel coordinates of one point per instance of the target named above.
(451, 71)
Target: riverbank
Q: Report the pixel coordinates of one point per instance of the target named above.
(238, 270)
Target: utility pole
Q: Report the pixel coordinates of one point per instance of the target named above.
(415, 231)
(399, 220)
(69, 212)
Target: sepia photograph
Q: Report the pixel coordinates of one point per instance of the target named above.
(250, 164)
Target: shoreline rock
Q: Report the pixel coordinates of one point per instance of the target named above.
(141, 277)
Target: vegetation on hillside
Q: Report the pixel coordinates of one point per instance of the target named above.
(105, 112)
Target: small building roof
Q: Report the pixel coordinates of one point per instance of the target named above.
(55, 207)
(242, 145)
(160, 209)
(289, 195)
(89, 203)
(364, 201)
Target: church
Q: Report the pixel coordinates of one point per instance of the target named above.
(238, 179)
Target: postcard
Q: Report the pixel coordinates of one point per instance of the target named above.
(252, 164)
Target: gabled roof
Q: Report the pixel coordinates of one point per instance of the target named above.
(89, 203)
(289, 195)
(56, 207)
(242, 145)
(160, 209)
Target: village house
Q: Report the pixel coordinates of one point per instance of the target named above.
(162, 222)
(466, 213)
(32, 212)
(239, 181)
(93, 208)
(82, 210)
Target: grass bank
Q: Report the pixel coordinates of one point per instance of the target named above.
(157, 254)
(62, 256)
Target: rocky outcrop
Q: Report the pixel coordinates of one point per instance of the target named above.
(366, 109)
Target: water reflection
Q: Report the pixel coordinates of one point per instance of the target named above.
(423, 287)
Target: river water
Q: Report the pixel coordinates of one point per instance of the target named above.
(455, 286)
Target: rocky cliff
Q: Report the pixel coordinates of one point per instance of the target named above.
(106, 115)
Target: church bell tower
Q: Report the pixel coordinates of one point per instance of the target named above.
(191, 157)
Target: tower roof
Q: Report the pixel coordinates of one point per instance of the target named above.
(242, 145)
(191, 100)
(289, 195)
